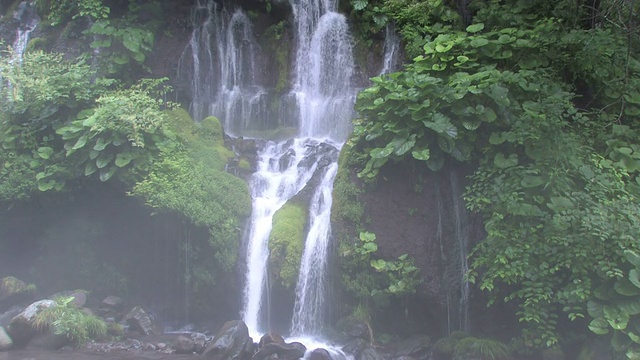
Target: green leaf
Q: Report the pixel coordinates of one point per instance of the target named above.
(380, 153)
(634, 277)
(101, 143)
(45, 152)
(599, 326)
(80, 143)
(632, 257)
(103, 160)
(421, 154)
(378, 264)
(123, 159)
(359, 4)
(370, 247)
(106, 174)
(503, 162)
(89, 168)
(529, 181)
(474, 28)
(624, 287)
(479, 42)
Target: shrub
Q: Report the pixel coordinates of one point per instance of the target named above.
(485, 349)
(74, 323)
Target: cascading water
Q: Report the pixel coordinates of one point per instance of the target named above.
(221, 61)
(462, 239)
(28, 20)
(391, 50)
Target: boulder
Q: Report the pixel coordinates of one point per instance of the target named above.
(356, 329)
(140, 321)
(79, 297)
(184, 345)
(47, 341)
(355, 347)
(417, 346)
(5, 340)
(5, 318)
(113, 302)
(232, 342)
(292, 351)
(320, 354)
(21, 329)
(13, 292)
(199, 342)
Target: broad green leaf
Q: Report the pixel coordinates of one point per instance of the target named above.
(632, 257)
(503, 162)
(45, 152)
(106, 174)
(624, 287)
(370, 247)
(80, 143)
(479, 42)
(101, 143)
(633, 277)
(378, 264)
(474, 28)
(90, 168)
(529, 181)
(421, 154)
(103, 160)
(380, 153)
(599, 326)
(123, 159)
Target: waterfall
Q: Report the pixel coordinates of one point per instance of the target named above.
(221, 62)
(323, 70)
(462, 242)
(222, 67)
(391, 50)
(310, 290)
(28, 20)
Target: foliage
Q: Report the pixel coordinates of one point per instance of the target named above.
(391, 278)
(556, 180)
(74, 323)
(484, 349)
(39, 95)
(286, 242)
(190, 179)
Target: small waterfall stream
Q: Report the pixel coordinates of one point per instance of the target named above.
(391, 50)
(28, 19)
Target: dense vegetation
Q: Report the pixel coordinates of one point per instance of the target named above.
(542, 98)
(70, 125)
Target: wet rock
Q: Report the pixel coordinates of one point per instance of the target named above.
(418, 347)
(113, 302)
(199, 342)
(320, 354)
(271, 338)
(47, 341)
(13, 292)
(139, 320)
(6, 317)
(292, 351)
(5, 340)
(184, 345)
(149, 347)
(232, 342)
(21, 328)
(358, 330)
(355, 347)
(369, 353)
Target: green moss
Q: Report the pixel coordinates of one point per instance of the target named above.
(36, 44)
(282, 60)
(244, 164)
(10, 285)
(211, 129)
(286, 242)
(444, 347)
(346, 192)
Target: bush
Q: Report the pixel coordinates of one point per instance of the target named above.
(485, 349)
(74, 323)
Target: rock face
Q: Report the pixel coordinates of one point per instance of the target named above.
(21, 328)
(292, 351)
(232, 342)
(5, 340)
(139, 320)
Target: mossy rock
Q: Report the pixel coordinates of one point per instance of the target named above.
(211, 128)
(286, 242)
(10, 286)
(244, 164)
(36, 44)
(444, 347)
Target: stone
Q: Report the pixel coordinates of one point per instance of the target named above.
(355, 347)
(79, 297)
(358, 330)
(149, 347)
(232, 342)
(320, 354)
(417, 346)
(47, 341)
(113, 302)
(14, 292)
(199, 342)
(292, 351)
(5, 340)
(21, 327)
(184, 345)
(139, 320)
(370, 353)
(6, 317)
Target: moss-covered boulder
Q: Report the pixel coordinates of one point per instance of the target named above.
(286, 242)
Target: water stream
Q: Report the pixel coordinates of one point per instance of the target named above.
(28, 20)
